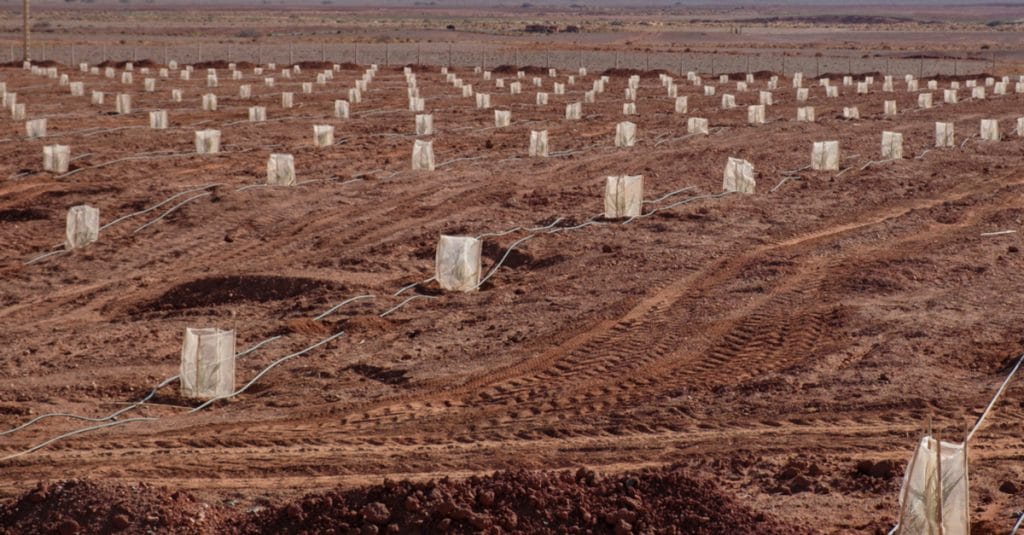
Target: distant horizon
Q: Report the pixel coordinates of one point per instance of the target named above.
(533, 3)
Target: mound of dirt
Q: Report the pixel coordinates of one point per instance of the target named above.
(623, 72)
(73, 506)
(654, 501)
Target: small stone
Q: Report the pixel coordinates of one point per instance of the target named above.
(486, 498)
(120, 522)
(799, 484)
(1008, 487)
(376, 513)
(68, 527)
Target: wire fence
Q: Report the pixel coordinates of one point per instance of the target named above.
(476, 55)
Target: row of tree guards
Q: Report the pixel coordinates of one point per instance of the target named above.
(933, 498)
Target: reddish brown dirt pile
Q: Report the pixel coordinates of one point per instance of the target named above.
(74, 506)
(623, 72)
(656, 501)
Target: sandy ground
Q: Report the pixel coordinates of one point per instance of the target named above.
(770, 343)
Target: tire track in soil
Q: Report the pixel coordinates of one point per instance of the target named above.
(645, 320)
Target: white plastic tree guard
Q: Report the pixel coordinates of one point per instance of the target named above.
(949, 96)
(598, 86)
(738, 176)
(574, 111)
(422, 155)
(847, 80)
(552, 73)
(851, 113)
(825, 156)
(887, 84)
(798, 79)
(158, 119)
(77, 89)
(149, 85)
(723, 79)
(207, 363)
(697, 125)
(35, 128)
(1020, 127)
(630, 93)
(889, 108)
(502, 118)
(625, 134)
(538, 143)
(185, 76)
(236, 75)
(542, 99)
(417, 104)
(999, 88)
(209, 102)
(515, 88)
(924, 100)
(709, 91)
(307, 88)
(257, 114)
(467, 90)
(123, 103)
(892, 145)
(341, 109)
(109, 72)
(755, 114)
(933, 85)
(750, 78)
(83, 226)
(126, 78)
(18, 112)
(623, 196)
(989, 130)
(483, 101)
(208, 141)
(323, 135)
(56, 158)
(499, 83)
(245, 91)
(978, 93)
(486, 75)
(424, 124)
(944, 136)
(8, 99)
(682, 105)
(802, 93)
(589, 97)
(741, 87)
(805, 114)
(728, 101)
(764, 98)
(582, 72)
(629, 108)
(281, 170)
(268, 81)
(934, 496)
(176, 95)
(912, 85)
(287, 99)
(832, 91)
(457, 263)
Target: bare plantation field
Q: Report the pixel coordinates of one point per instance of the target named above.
(718, 362)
